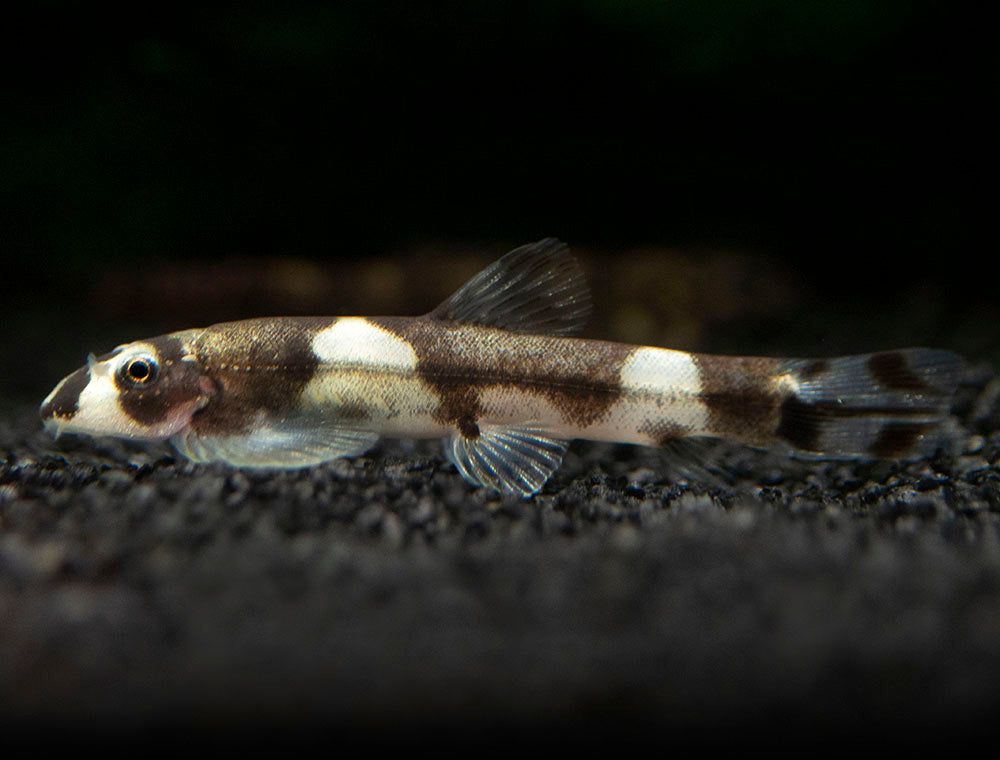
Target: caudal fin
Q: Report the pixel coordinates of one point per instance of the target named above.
(884, 405)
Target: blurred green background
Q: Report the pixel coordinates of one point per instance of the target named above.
(781, 177)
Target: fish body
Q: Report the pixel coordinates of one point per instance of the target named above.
(496, 373)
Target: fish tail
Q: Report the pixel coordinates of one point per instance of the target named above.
(884, 405)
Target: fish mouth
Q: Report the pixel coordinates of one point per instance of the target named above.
(53, 426)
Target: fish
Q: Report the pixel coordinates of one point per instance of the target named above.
(496, 371)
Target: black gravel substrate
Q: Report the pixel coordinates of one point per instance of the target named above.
(385, 595)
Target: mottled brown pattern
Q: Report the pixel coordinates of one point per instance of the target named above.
(176, 383)
(442, 367)
(353, 412)
(741, 396)
(892, 370)
(663, 431)
(581, 378)
(258, 365)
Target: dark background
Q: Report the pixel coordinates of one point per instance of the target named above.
(845, 144)
(848, 132)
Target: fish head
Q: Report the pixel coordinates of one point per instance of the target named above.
(148, 389)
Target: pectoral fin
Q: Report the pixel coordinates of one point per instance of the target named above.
(279, 445)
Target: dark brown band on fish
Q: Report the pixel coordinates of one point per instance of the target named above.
(800, 424)
(803, 425)
(440, 365)
(892, 370)
(468, 428)
(176, 384)
(581, 379)
(898, 439)
(814, 369)
(741, 396)
(259, 365)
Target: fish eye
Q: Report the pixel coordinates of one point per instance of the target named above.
(139, 371)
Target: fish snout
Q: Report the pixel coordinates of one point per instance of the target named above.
(64, 401)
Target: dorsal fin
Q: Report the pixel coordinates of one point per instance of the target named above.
(537, 289)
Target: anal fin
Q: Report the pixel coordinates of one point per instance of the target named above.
(511, 459)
